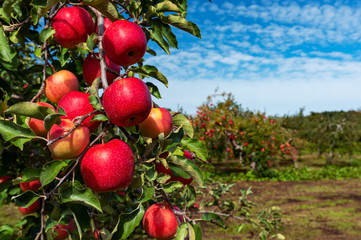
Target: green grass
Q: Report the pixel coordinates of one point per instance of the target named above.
(311, 168)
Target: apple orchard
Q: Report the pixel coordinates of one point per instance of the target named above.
(86, 152)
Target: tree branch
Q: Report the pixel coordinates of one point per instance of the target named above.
(102, 134)
(79, 119)
(103, 65)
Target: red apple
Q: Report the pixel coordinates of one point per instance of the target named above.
(187, 155)
(30, 186)
(127, 102)
(38, 125)
(159, 222)
(97, 234)
(124, 43)
(59, 84)
(62, 231)
(32, 208)
(5, 178)
(108, 167)
(76, 104)
(72, 26)
(91, 69)
(70, 146)
(158, 121)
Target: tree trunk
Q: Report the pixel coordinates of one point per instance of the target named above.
(329, 159)
(330, 155)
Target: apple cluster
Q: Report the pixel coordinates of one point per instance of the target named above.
(127, 102)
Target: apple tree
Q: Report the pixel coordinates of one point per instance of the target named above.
(85, 150)
(230, 132)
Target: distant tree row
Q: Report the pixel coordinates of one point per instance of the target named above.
(230, 132)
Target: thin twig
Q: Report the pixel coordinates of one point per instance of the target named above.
(165, 197)
(12, 27)
(218, 213)
(124, 6)
(127, 134)
(123, 75)
(102, 134)
(79, 120)
(42, 227)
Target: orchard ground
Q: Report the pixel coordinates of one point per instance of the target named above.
(320, 209)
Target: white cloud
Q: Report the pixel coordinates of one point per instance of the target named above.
(277, 56)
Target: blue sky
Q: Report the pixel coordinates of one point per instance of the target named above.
(274, 56)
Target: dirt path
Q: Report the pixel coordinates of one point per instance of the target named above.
(328, 209)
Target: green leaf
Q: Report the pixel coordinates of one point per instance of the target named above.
(181, 23)
(52, 119)
(172, 186)
(151, 51)
(181, 232)
(50, 170)
(30, 109)
(151, 174)
(46, 33)
(165, 31)
(177, 172)
(153, 89)
(7, 53)
(19, 142)
(151, 71)
(37, 51)
(41, 7)
(99, 117)
(191, 195)
(25, 199)
(167, 6)
(7, 7)
(181, 120)
(15, 37)
(127, 223)
(90, 43)
(39, 3)
(10, 130)
(94, 101)
(30, 174)
(198, 231)
(63, 56)
(214, 218)
(191, 233)
(196, 146)
(4, 103)
(147, 194)
(81, 217)
(105, 7)
(156, 35)
(189, 167)
(6, 232)
(78, 194)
